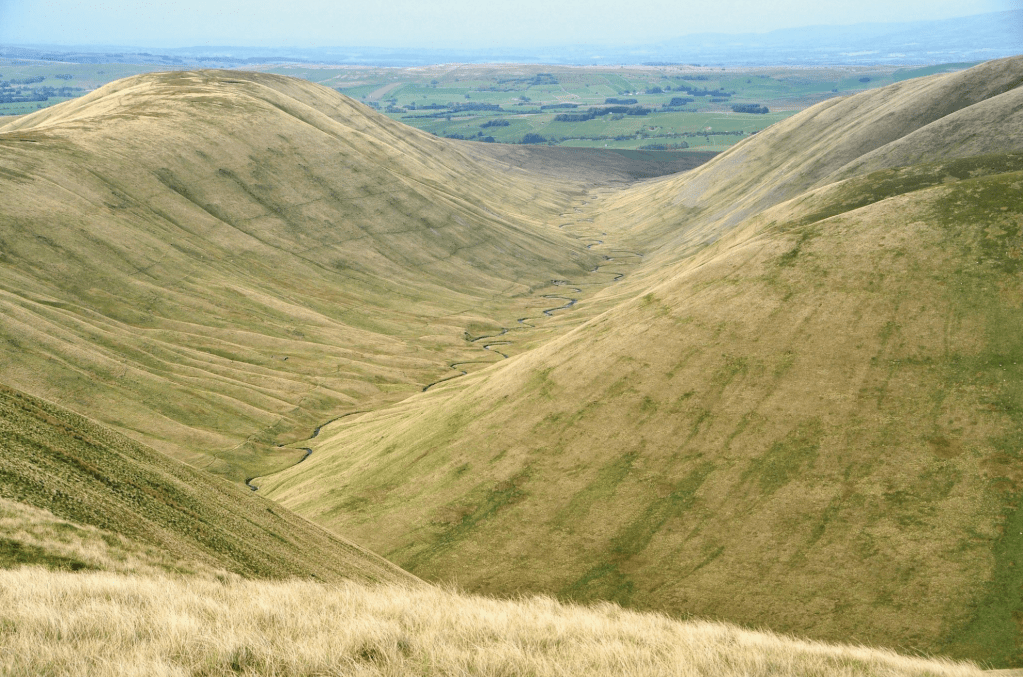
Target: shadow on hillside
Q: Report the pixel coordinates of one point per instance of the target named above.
(594, 165)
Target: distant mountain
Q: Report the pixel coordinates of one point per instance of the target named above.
(974, 38)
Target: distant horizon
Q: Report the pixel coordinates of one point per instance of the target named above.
(282, 46)
(969, 39)
(448, 25)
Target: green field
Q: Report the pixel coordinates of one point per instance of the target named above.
(437, 100)
(21, 94)
(463, 102)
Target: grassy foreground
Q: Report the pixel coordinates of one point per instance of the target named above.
(110, 624)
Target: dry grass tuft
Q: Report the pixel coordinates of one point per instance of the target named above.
(101, 624)
(30, 535)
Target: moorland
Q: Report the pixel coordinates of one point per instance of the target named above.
(255, 332)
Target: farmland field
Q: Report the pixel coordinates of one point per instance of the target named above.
(670, 107)
(676, 107)
(27, 86)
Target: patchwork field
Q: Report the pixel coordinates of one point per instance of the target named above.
(668, 107)
(664, 107)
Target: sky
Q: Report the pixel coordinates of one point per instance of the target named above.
(450, 24)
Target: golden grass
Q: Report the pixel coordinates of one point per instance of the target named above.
(30, 535)
(104, 624)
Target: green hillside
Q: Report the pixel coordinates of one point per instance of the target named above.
(956, 115)
(806, 417)
(74, 495)
(215, 263)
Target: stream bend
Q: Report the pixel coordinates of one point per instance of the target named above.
(522, 321)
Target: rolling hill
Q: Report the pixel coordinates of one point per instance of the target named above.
(214, 263)
(804, 413)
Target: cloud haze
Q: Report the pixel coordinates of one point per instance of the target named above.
(441, 23)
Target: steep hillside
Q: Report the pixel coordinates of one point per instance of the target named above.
(217, 262)
(74, 495)
(809, 418)
(954, 115)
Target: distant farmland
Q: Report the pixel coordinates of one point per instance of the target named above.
(668, 107)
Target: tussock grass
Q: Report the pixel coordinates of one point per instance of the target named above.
(30, 535)
(102, 624)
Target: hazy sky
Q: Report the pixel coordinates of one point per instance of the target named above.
(437, 23)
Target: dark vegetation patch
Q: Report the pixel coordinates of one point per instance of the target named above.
(601, 489)
(754, 108)
(606, 580)
(886, 183)
(789, 258)
(14, 553)
(599, 165)
(786, 458)
(478, 506)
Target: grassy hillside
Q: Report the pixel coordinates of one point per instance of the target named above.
(103, 624)
(807, 416)
(216, 262)
(800, 410)
(76, 496)
(954, 115)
